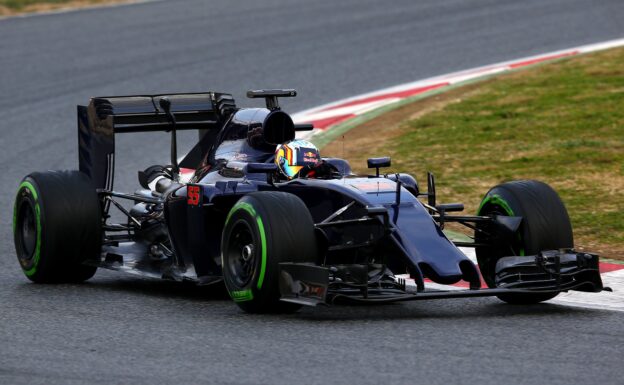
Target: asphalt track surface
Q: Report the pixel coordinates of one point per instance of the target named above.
(119, 329)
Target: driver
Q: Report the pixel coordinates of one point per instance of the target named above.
(301, 159)
(298, 158)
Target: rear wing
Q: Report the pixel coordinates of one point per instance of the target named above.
(106, 116)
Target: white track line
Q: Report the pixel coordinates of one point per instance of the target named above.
(604, 300)
(360, 104)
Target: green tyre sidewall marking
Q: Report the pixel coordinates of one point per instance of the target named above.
(37, 253)
(242, 295)
(497, 200)
(247, 295)
(264, 253)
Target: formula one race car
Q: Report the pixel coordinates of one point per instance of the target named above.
(277, 233)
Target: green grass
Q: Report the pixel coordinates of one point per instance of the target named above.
(21, 4)
(12, 7)
(562, 123)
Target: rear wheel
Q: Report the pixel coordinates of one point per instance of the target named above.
(56, 226)
(545, 226)
(262, 230)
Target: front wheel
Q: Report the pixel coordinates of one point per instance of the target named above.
(262, 230)
(545, 226)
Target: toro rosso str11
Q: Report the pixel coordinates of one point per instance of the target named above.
(326, 236)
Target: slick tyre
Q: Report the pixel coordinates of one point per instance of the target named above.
(56, 226)
(261, 230)
(545, 226)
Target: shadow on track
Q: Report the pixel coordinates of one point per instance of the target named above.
(482, 308)
(161, 293)
(163, 289)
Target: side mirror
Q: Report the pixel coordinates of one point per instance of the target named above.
(378, 163)
(450, 207)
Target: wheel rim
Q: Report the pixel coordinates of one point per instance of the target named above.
(27, 231)
(241, 254)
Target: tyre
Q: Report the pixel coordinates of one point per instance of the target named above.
(545, 226)
(261, 230)
(56, 226)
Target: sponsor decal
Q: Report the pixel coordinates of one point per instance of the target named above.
(312, 290)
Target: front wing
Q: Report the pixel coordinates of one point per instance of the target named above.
(550, 271)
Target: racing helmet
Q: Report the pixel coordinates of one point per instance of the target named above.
(293, 156)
